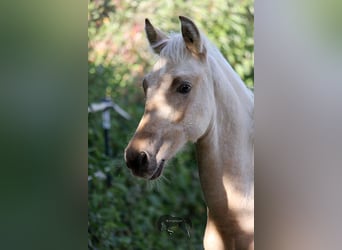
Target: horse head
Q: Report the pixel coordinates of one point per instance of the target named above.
(178, 104)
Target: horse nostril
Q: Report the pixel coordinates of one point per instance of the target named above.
(136, 160)
(143, 158)
(140, 162)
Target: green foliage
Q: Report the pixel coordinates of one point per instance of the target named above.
(123, 209)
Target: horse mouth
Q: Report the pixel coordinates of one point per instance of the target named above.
(158, 171)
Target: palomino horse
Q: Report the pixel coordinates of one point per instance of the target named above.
(193, 94)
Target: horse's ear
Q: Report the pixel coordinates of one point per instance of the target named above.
(156, 37)
(191, 36)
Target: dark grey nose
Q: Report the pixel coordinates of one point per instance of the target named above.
(137, 161)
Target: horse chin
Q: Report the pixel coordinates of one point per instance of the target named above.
(158, 171)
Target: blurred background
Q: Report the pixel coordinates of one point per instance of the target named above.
(44, 130)
(123, 210)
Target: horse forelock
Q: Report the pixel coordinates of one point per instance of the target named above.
(175, 49)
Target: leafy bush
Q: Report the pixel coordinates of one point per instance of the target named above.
(123, 209)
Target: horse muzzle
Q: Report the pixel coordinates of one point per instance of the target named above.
(143, 164)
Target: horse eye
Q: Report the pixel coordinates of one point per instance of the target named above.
(184, 88)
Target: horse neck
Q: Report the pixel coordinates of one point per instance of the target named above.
(225, 152)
